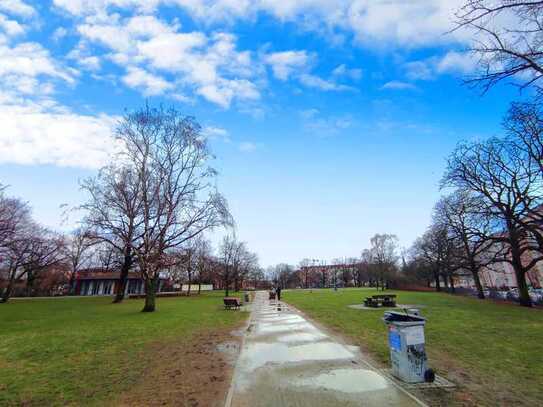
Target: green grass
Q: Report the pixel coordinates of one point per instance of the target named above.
(83, 351)
(494, 350)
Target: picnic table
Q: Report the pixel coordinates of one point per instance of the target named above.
(382, 300)
(231, 303)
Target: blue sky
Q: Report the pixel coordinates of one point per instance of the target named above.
(331, 121)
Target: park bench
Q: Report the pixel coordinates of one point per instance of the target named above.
(231, 303)
(383, 300)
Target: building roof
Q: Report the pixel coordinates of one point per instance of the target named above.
(103, 274)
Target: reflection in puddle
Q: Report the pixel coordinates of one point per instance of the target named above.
(346, 381)
(301, 337)
(259, 354)
(283, 319)
(269, 328)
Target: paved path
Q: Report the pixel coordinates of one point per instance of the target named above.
(288, 361)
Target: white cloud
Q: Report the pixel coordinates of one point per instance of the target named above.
(399, 85)
(28, 70)
(59, 33)
(343, 71)
(452, 62)
(209, 66)
(32, 135)
(312, 81)
(457, 62)
(413, 23)
(314, 122)
(17, 7)
(419, 70)
(31, 59)
(407, 23)
(10, 27)
(82, 56)
(90, 7)
(285, 63)
(247, 147)
(150, 84)
(215, 133)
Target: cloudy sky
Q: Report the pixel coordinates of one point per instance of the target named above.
(330, 120)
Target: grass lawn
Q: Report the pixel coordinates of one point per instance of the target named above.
(86, 351)
(494, 352)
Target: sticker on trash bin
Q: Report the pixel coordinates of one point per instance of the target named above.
(414, 335)
(394, 340)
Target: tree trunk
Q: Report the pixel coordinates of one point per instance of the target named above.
(199, 287)
(150, 294)
(438, 283)
(524, 295)
(71, 283)
(520, 271)
(29, 283)
(123, 278)
(445, 282)
(451, 283)
(7, 292)
(478, 285)
(189, 274)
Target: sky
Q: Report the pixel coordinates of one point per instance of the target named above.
(330, 120)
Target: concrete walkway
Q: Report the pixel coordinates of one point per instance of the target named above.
(288, 361)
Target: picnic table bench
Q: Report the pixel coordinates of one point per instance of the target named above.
(231, 303)
(382, 300)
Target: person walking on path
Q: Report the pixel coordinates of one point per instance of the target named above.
(278, 291)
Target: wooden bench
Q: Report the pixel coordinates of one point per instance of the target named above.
(383, 300)
(231, 303)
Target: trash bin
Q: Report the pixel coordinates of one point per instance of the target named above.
(406, 343)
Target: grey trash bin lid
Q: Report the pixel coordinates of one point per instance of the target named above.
(403, 319)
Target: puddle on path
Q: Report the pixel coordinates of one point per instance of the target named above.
(346, 381)
(271, 328)
(301, 337)
(260, 354)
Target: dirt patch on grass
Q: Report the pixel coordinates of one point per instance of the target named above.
(192, 373)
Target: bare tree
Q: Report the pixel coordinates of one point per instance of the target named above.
(169, 159)
(14, 214)
(247, 265)
(460, 214)
(524, 130)
(306, 271)
(383, 257)
(203, 255)
(500, 177)
(229, 257)
(78, 253)
(507, 40)
(31, 250)
(45, 250)
(437, 250)
(114, 214)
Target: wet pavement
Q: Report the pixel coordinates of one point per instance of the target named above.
(287, 360)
